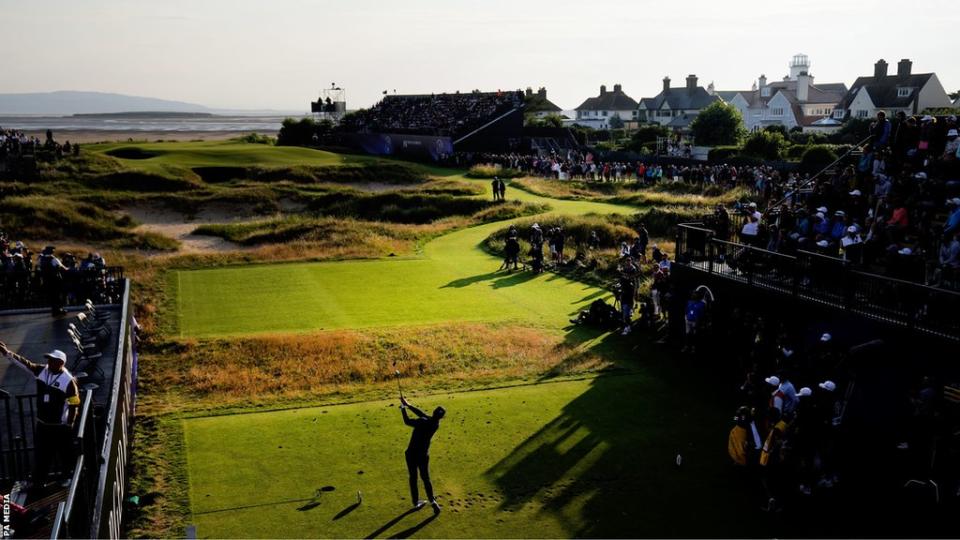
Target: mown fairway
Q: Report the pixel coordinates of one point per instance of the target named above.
(453, 281)
(160, 157)
(591, 457)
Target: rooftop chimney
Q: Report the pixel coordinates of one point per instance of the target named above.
(762, 81)
(691, 82)
(603, 89)
(666, 84)
(617, 88)
(903, 68)
(803, 86)
(880, 69)
(529, 91)
(542, 92)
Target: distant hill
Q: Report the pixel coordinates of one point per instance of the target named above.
(68, 102)
(71, 102)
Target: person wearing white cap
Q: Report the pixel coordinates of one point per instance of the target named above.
(58, 399)
(784, 396)
(950, 151)
(850, 244)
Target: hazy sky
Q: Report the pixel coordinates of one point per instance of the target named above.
(278, 53)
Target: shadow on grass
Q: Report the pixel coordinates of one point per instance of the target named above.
(346, 511)
(386, 526)
(467, 281)
(407, 533)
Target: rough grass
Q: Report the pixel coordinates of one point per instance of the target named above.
(318, 366)
(664, 193)
(490, 170)
(34, 217)
(384, 238)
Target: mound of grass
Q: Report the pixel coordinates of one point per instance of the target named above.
(567, 190)
(47, 218)
(610, 229)
(389, 173)
(490, 170)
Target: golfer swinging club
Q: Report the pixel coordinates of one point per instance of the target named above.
(418, 451)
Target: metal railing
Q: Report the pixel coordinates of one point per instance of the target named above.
(24, 289)
(824, 280)
(73, 514)
(16, 438)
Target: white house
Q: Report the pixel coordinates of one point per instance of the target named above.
(676, 107)
(596, 112)
(909, 92)
(794, 101)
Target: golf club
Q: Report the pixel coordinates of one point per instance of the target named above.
(396, 373)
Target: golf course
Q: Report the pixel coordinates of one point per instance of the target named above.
(269, 392)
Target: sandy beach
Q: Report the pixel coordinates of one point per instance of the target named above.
(95, 136)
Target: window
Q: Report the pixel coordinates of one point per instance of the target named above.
(904, 91)
(777, 111)
(765, 91)
(862, 113)
(838, 114)
(604, 113)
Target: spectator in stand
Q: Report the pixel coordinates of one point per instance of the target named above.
(881, 131)
(52, 274)
(694, 315)
(948, 262)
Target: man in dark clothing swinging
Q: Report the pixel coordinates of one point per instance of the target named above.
(418, 451)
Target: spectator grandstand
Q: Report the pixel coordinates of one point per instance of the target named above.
(451, 115)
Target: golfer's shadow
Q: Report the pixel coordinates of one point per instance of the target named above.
(406, 532)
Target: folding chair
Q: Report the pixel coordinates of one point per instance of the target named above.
(87, 359)
(92, 312)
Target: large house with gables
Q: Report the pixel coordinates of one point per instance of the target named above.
(597, 112)
(905, 91)
(796, 101)
(676, 107)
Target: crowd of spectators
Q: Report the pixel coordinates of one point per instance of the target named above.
(434, 114)
(790, 432)
(585, 166)
(16, 146)
(29, 279)
(895, 212)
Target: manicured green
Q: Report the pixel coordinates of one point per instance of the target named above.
(161, 157)
(454, 280)
(591, 457)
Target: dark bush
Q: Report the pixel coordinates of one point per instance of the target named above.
(816, 158)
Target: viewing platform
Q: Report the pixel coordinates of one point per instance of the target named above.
(820, 280)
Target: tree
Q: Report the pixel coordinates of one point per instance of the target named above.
(776, 128)
(768, 145)
(852, 131)
(550, 121)
(646, 135)
(954, 95)
(817, 157)
(718, 124)
(303, 132)
(616, 122)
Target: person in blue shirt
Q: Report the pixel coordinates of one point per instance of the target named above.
(881, 131)
(953, 220)
(693, 316)
(821, 226)
(839, 227)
